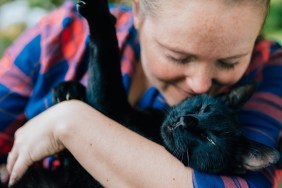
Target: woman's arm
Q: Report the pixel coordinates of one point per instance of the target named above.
(114, 155)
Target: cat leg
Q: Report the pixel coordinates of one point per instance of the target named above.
(105, 90)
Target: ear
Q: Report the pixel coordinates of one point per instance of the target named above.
(257, 156)
(239, 96)
(137, 16)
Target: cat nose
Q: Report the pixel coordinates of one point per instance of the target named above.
(188, 121)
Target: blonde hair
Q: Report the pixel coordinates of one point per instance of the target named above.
(149, 7)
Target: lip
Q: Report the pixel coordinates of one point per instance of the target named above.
(184, 93)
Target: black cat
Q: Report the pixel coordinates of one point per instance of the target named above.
(203, 131)
(196, 127)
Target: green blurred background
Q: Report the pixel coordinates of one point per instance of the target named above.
(272, 29)
(273, 25)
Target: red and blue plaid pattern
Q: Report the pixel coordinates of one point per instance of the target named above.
(56, 50)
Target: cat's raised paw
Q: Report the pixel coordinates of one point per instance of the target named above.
(81, 7)
(93, 9)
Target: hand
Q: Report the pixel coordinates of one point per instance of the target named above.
(34, 141)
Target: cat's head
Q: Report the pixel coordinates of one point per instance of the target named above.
(204, 133)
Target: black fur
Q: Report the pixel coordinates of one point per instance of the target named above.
(203, 132)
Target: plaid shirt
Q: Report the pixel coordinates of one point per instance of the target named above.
(56, 50)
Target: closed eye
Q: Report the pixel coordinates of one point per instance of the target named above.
(207, 108)
(197, 109)
(180, 61)
(225, 65)
(204, 136)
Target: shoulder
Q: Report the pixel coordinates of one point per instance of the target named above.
(124, 23)
(57, 27)
(123, 13)
(61, 19)
(266, 53)
(66, 23)
(261, 115)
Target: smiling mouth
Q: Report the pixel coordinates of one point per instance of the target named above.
(183, 92)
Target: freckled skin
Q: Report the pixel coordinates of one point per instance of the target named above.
(217, 33)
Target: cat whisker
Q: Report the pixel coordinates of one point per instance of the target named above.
(182, 156)
(180, 151)
(167, 110)
(188, 157)
(179, 154)
(188, 115)
(176, 152)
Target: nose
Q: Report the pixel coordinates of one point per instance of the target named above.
(188, 121)
(200, 81)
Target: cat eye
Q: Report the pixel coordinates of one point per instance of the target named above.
(207, 108)
(197, 109)
(208, 139)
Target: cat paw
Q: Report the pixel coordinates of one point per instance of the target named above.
(81, 6)
(93, 9)
(69, 90)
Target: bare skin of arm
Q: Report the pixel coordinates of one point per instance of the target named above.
(114, 155)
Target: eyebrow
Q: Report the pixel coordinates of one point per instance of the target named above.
(235, 56)
(173, 50)
(190, 54)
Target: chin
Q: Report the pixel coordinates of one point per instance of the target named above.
(173, 101)
(173, 97)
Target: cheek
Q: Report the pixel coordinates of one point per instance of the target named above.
(156, 66)
(229, 78)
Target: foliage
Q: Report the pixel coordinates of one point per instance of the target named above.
(273, 25)
(45, 4)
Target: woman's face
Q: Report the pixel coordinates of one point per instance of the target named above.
(197, 46)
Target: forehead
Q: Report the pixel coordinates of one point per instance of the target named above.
(202, 24)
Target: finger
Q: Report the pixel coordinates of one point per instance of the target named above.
(4, 175)
(19, 168)
(12, 157)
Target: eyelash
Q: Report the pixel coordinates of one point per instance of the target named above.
(226, 66)
(221, 64)
(178, 61)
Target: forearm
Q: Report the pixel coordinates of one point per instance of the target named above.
(116, 156)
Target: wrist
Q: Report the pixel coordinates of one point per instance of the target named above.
(65, 128)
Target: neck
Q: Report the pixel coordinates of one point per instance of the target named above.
(138, 86)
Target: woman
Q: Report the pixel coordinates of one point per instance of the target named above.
(186, 48)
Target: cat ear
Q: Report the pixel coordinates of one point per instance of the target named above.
(238, 96)
(257, 156)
